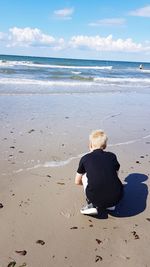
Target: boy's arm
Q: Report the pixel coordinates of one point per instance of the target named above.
(78, 179)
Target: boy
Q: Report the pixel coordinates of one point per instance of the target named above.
(97, 172)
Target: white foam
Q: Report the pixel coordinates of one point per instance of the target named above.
(79, 67)
(12, 63)
(147, 136)
(31, 64)
(40, 82)
(76, 72)
(95, 81)
(122, 80)
(17, 171)
(34, 167)
(60, 163)
(130, 141)
(145, 71)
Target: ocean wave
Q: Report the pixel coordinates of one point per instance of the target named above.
(7, 71)
(145, 71)
(40, 82)
(76, 72)
(78, 81)
(5, 63)
(121, 80)
(81, 78)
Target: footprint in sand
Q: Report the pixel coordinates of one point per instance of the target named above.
(66, 214)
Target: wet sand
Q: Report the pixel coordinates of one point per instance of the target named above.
(41, 140)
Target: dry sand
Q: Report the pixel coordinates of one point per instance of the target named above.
(41, 140)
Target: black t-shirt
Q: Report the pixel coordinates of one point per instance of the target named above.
(104, 188)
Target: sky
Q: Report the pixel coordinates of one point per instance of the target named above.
(97, 29)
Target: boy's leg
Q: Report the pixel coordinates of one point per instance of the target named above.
(85, 182)
(89, 209)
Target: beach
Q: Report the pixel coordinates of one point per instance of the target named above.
(42, 139)
(48, 107)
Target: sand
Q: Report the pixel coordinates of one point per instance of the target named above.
(42, 139)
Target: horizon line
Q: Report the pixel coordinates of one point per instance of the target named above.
(85, 59)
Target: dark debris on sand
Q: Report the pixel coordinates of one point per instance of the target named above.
(98, 241)
(136, 236)
(21, 252)
(11, 264)
(32, 130)
(1, 206)
(23, 265)
(41, 242)
(98, 258)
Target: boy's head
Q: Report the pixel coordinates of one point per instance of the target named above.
(98, 139)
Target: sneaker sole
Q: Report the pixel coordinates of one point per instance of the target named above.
(92, 211)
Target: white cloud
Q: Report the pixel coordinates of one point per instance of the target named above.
(29, 36)
(108, 22)
(141, 12)
(32, 37)
(3, 36)
(65, 14)
(99, 43)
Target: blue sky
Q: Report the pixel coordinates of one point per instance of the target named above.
(97, 29)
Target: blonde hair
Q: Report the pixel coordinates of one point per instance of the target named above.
(98, 139)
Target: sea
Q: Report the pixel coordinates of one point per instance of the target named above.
(43, 75)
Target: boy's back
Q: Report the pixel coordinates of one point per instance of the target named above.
(104, 188)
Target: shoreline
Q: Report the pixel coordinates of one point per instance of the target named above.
(55, 164)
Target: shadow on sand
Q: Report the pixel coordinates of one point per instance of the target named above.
(134, 198)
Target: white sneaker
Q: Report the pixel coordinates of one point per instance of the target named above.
(111, 208)
(89, 210)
